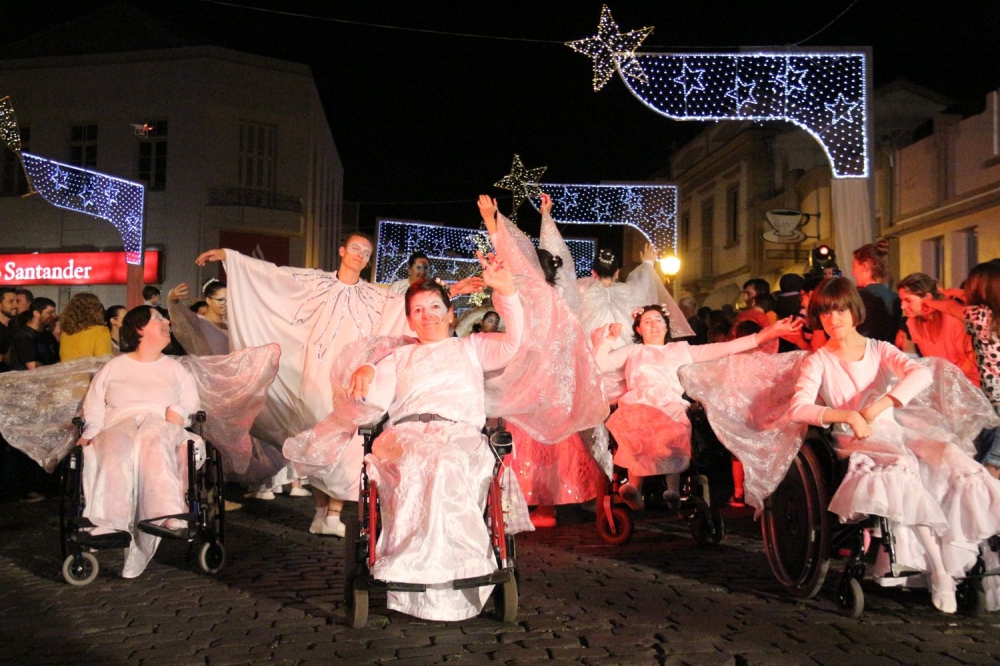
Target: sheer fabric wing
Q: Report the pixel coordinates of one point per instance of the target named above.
(232, 389)
(37, 408)
(552, 388)
(746, 397)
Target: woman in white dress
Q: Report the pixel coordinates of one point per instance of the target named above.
(939, 502)
(135, 463)
(432, 463)
(651, 424)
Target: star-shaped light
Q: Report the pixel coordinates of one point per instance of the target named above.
(610, 49)
(690, 79)
(522, 182)
(742, 90)
(601, 209)
(632, 201)
(60, 178)
(570, 198)
(841, 109)
(86, 193)
(792, 79)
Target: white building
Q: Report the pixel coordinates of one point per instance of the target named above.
(235, 148)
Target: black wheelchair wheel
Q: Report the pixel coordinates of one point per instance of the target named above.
(80, 569)
(211, 557)
(617, 528)
(971, 597)
(505, 600)
(795, 527)
(850, 598)
(357, 605)
(708, 531)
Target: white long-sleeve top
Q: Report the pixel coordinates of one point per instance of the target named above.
(446, 377)
(125, 387)
(853, 385)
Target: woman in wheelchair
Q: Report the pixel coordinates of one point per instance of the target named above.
(940, 503)
(135, 412)
(432, 463)
(651, 424)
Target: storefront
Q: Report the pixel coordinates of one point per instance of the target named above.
(59, 275)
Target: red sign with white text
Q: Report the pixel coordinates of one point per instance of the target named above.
(76, 268)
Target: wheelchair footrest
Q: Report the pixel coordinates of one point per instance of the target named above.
(104, 541)
(186, 533)
(403, 587)
(496, 578)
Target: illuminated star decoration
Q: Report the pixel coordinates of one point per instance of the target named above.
(610, 49)
(522, 182)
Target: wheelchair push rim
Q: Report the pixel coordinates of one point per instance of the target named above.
(795, 527)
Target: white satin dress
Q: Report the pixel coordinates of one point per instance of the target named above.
(910, 477)
(434, 477)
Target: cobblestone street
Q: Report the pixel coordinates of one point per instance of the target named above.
(656, 600)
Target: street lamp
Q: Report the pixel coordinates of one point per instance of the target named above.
(671, 267)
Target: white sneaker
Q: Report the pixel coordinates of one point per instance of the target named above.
(299, 492)
(329, 526)
(264, 494)
(632, 497)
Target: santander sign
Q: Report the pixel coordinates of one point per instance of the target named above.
(74, 268)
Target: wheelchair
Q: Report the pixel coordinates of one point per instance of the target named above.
(615, 522)
(206, 516)
(801, 536)
(362, 521)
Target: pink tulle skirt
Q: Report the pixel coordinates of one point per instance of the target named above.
(551, 474)
(649, 441)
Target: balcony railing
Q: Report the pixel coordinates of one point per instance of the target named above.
(243, 196)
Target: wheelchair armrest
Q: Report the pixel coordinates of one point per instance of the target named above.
(78, 422)
(373, 428)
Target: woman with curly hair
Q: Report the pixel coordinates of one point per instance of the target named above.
(84, 332)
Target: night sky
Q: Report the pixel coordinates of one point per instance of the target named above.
(422, 117)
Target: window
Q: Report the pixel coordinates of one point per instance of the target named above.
(932, 257)
(83, 146)
(964, 254)
(258, 155)
(707, 237)
(733, 216)
(13, 182)
(685, 231)
(153, 155)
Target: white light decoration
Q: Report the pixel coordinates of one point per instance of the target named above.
(824, 93)
(652, 209)
(451, 250)
(116, 200)
(611, 50)
(522, 182)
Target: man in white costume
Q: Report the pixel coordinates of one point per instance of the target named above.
(312, 315)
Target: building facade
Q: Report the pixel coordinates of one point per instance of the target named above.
(235, 150)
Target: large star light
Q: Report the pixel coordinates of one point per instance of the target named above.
(522, 182)
(610, 49)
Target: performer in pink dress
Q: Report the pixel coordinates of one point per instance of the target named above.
(651, 424)
(940, 503)
(432, 463)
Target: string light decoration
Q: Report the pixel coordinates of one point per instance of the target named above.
(611, 50)
(119, 201)
(522, 182)
(116, 200)
(451, 250)
(824, 93)
(652, 209)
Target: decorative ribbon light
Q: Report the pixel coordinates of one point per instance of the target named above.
(451, 250)
(652, 209)
(116, 200)
(824, 93)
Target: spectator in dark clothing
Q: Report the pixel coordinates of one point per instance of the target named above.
(753, 288)
(33, 344)
(788, 304)
(690, 309)
(883, 311)
(8, 310)
(24, 298)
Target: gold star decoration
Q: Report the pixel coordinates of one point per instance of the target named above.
(610, 50)
(522, 182)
